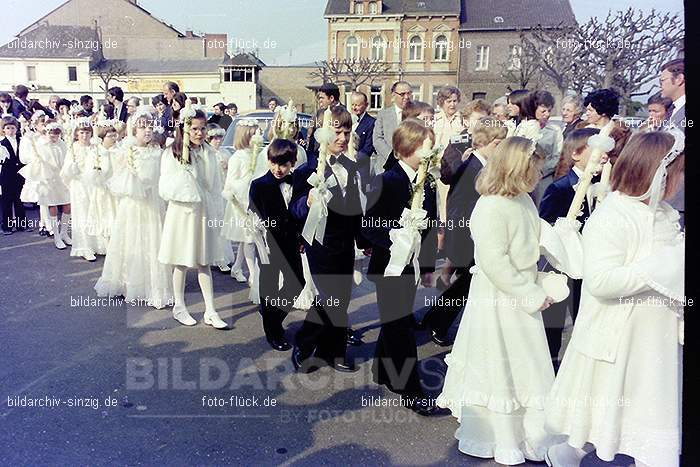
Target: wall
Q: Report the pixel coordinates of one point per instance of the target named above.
(49, 72)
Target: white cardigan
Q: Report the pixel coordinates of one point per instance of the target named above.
(627, 257)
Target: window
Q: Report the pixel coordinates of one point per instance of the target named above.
(441, 47)
(417, 96)
(375, 98)
(478, 95)
(31, 73)
(482, 57)
(352, 48)
(435, 93)
(238, 74)
(415, 49)
(515, 53)
(360, 8)
(373, 8)
(72, 74)
(203, 100)
(378, 49)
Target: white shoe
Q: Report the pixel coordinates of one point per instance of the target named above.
(238, 275)
(183, 316)
(224, 268)
(59, 243)
(65, 237)
(212, 319)
(563, 455)
(530, 454)
(89, 257)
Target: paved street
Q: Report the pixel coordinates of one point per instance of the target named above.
(128, 385)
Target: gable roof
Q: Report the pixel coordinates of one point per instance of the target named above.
(400, 7)
(480, 15)
(243, 59)
(46, 41)
(135, 5)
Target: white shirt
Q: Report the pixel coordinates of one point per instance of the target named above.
(677, 104)
(412, 174)
(286, 190)
(398, 111)
(13, 143)
(341, 174)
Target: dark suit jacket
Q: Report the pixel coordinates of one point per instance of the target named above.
(392, 190)
(266, 200)
(342, 224)
(365, 149)
(461, 200)
(558, 197)
(452, 158)
(11, 165)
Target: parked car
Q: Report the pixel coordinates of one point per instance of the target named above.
(264, 119)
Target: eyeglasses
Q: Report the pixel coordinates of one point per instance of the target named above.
(404, 94)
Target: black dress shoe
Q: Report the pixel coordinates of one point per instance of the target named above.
(439, 339)
(279, 344)
(303, 364)
(344, 366)
(425, 409)
(354, 338)
(43, 232)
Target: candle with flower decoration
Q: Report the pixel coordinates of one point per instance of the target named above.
(324, 142)
(187, 123)
(257, 142)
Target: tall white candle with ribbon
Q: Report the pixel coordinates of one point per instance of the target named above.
(187, 123)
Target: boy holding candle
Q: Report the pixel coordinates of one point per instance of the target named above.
(396, 347)
(269, 199)
(324, 332)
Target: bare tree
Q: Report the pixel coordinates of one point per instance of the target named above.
(109, 71)
(353, 72)
(522, 67)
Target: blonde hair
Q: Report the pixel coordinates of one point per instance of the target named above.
(409, 136)
(486, 130)
(513, 169)
(476, 105)
(243, 135)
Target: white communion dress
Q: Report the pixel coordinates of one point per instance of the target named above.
(222, 157)
(102, 208)
(131, 267)
(191, 231)
(33, 170)
(499, 371)
(46, 164)
(619, 383)
(76, 173)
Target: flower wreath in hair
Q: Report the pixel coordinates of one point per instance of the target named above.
(53, 126)
(37, 115)
(247, 122)
(216, 132)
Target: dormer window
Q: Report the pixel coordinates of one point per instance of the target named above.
(360, 8)
(373, 8)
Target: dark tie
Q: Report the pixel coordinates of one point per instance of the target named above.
(286, 179)
(671, 109)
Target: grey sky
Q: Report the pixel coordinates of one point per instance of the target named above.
(296, 27)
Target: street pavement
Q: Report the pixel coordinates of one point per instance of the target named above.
(127, 385)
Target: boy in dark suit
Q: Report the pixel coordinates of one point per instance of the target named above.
(269, 199)
(11, 182)
(459, 246)
(323, 334)
(555, 203)
(396, 356)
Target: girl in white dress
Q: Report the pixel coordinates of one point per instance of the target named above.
(499, 371)
(242, 170)
(102, 208)
(215, 135)
(76, 172)
(51, 154)
(33, 171)
(131, 268)
(191, 237)
(619, 384)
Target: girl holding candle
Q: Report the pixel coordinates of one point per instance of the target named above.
(188, 182)
(101, 209)
(619, 384)
(77, 168)
(215, 135)
(499, 371)
(131, 267)
(33, 171)
(243, 168)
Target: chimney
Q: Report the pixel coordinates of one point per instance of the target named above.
(188, 34)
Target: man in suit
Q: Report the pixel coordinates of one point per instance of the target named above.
(462, 196)
(672, 80)
(388, 120)
(269, 198)
(115, 96)
(11, 182)
(22, 98)
(364, 128)
(170, 88)
(219, 117)
(324, 332)
(328, 96)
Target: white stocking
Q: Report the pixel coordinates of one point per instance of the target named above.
(44, 218)
(238, 263)
(249, 253)
(179, 276)
(207, 287)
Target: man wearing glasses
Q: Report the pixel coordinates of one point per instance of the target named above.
(388, 120)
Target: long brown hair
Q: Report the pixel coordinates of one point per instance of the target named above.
(637, 164)
(575, 142)
(179, 134)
